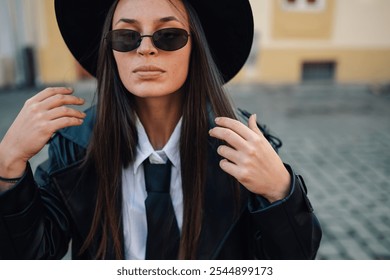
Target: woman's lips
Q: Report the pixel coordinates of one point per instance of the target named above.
(148, 71)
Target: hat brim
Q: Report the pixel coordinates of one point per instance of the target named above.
(228, 26)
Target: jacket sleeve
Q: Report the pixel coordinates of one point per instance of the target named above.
(288, 228)
(34, 223)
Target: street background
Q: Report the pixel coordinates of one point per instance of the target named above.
(336, 136)
(318, 76)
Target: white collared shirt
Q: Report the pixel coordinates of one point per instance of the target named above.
(134, 192)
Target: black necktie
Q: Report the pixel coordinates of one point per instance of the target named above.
(163, 233)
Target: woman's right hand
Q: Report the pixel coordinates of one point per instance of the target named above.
(41, 116)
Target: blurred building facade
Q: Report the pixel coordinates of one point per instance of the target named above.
(345, 41)
(31, 48)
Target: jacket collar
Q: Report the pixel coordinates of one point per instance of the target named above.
(81, 135)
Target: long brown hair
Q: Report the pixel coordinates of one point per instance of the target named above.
(114, 140)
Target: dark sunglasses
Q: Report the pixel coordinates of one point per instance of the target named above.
(167, 39)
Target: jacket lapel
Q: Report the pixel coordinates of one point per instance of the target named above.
(80, 198)
(220, 212)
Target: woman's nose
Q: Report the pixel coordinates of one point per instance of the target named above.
(146, 46)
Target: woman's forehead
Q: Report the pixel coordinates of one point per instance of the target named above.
(150, 10)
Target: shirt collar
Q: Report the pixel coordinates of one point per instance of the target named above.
(144, 148)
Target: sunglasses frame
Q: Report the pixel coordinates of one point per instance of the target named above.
(155, 42)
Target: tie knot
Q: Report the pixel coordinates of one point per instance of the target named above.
(157, 176)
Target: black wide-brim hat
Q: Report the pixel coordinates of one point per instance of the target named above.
(228, 26)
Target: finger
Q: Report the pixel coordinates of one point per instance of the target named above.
(50, 92)
(230, 168)
(64, 122)
(236, 126)
(64, 111)
(252, 124)
(60, 100)
(228, 153)
(229, 136)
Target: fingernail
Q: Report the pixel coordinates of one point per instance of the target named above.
(255, 117)
(217, 119)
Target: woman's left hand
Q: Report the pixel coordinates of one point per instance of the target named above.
(251, 159)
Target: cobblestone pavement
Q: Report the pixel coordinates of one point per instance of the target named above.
(337, 137)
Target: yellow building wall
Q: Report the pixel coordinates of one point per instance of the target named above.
(352, 65)
(290, 38)
(302, 25)
(56, 64)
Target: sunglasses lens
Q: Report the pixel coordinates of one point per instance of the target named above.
(170, 39)
(124, 40)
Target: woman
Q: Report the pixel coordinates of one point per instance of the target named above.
(159, 91)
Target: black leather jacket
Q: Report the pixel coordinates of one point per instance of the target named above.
(39, 216)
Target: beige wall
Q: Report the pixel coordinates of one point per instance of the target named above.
(352, 33)
(302, 25)
(353, 66)
(56, 64)
(362, 24)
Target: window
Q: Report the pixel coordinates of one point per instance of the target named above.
(318, 71)
(303, 5)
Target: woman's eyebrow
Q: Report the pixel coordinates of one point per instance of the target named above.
(134, 21)
(167, 19)
(127, 20)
